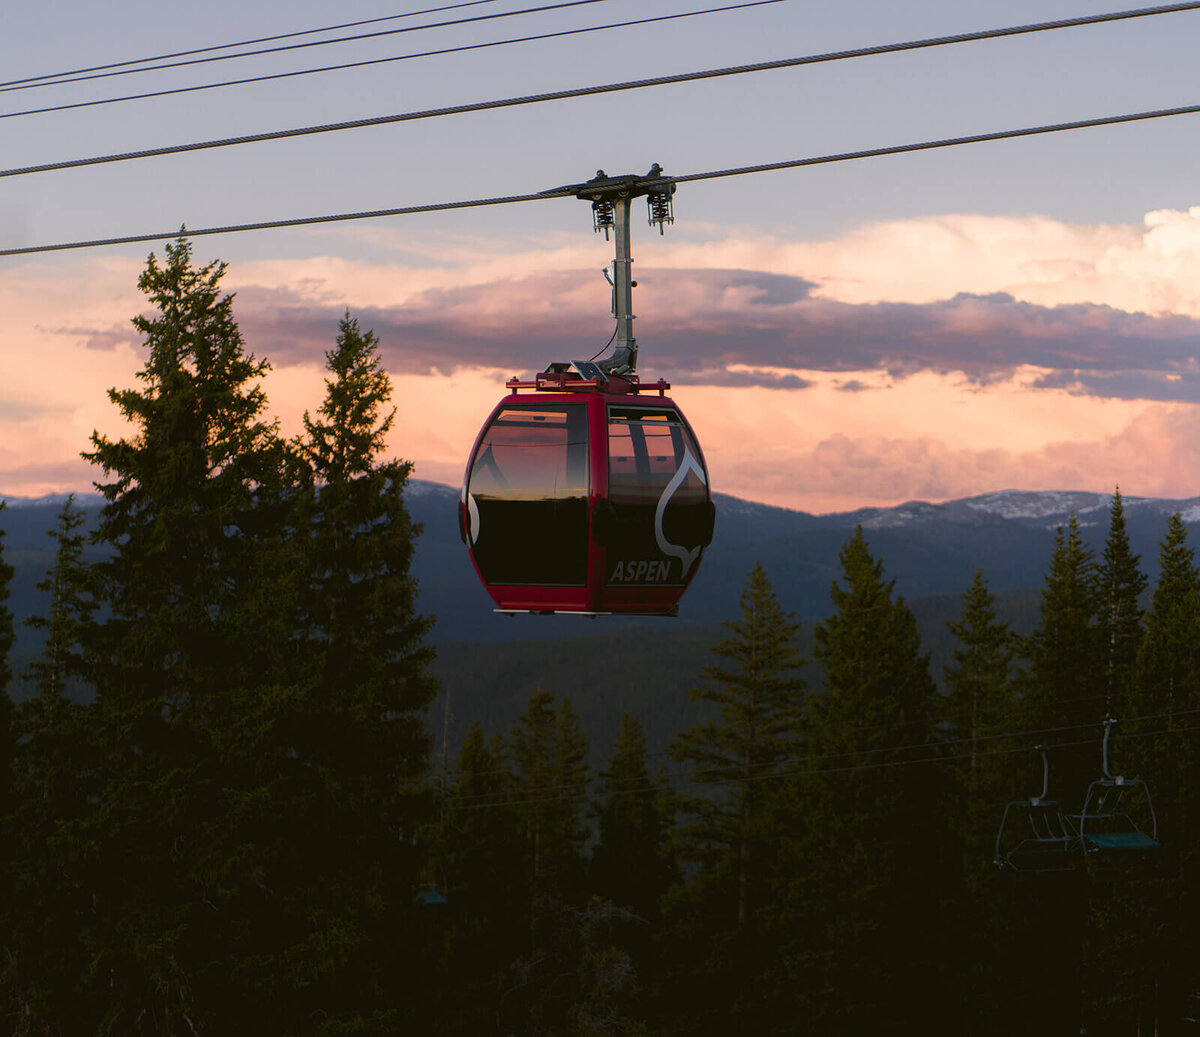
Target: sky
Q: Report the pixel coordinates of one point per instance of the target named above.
(1020, 314)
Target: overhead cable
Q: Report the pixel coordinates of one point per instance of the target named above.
(183, 232)
(398, 57)
(636, 84)
(932, 750)
(310, 43)
(569, 192)
(571, 790)
(948, 142)
(243, 43)
(942, 732)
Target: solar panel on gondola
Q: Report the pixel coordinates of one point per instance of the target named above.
(586, 489)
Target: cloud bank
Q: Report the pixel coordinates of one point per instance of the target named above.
(742, 327)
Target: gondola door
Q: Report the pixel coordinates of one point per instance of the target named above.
(659, 515)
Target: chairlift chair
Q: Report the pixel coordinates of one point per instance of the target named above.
(1035, 835)
(1112, 809)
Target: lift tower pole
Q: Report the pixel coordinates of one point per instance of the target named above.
(611, 198)
(625, 348)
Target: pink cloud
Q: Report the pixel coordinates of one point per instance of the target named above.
(121, 334)
(699, 323)
(38, 477)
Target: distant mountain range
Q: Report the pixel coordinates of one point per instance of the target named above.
(929, 549)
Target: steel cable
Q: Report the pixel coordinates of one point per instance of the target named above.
(635, 84)
(569, 191)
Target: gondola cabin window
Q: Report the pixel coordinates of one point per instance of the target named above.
(530, 489)
(659, 493)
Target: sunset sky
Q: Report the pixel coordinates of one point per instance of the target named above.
(1021, 314)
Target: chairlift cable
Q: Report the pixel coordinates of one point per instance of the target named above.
(579, 789)
(944, 743)
(690, 777)
(994, 736)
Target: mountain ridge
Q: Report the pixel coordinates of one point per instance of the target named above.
(1010, 504)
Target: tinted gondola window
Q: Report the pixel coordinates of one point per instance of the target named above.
(653, 461)
(529, 487)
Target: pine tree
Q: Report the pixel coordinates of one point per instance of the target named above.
(7, 634)
(55, 776)
(180, 508)
(1065, 680)
(479, 858)
(978, 678)
(730, 841)
(260, 679)
(549, 754)
(1166, 691)
(8, 828)
(979, 708)
(1120, 584)
(1168, 688)
(980, 705)
(345, 440)
(481, 842)
(365, 643)
(8, 731)
(761, 701)
(176, 695)
(184, 671)
(630, 865)
(334, 793)
(1081, 663)
(876, 868)
(1168, 663)
(548, 751)
(71, 610)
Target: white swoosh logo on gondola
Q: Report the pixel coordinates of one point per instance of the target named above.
(687, 558)
(472, 518)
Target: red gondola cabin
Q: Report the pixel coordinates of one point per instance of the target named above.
(586, 493)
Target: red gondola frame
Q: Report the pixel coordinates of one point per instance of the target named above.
(597, 594)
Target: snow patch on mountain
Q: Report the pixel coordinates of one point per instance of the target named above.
(82, 500)
(421, 488)
(1025, 504)
(906, 514)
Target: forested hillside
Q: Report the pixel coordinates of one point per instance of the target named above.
(643, 671)
(240, 794)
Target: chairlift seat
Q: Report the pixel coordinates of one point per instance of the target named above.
(1035, 835)
(1042, 857)
(1121, 841)
(1118, 814)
